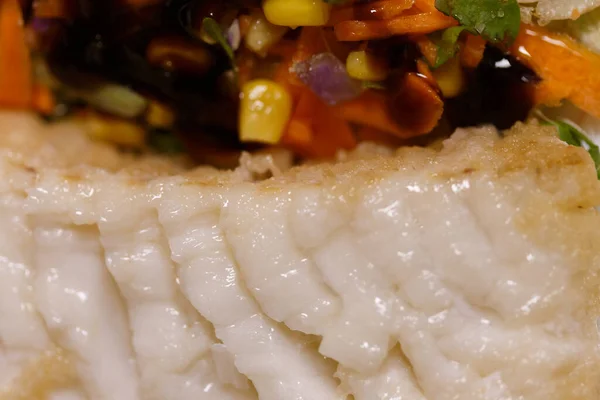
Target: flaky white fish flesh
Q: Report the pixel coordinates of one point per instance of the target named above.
(465, 272)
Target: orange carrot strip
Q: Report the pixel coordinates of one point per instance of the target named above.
(382, 9)
(568, 70)
(422, 23)
(427, 48)
(315, 130)
(15, 60)
(53, 8)
(284, 48)
(43, 99)
(425, 72)
(371, 109)
(309, 43)
(298, 134)
(416, 104)
(471, 53)
(245, 22)
(426, 5)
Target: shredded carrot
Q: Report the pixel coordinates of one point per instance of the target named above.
(567, 69)
(284, 48)
(245, 22)
(298, 134)
(53, 8)
(43, 99)
(315, 130)
(15, 60)
(310, 42)
(422, 23)
(427, 48)
(426, 5)
(418, 108)
(424, 70)
(472, 51)
(382, 9)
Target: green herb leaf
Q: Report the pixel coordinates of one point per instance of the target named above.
(447, 44)
(495, 20)
(214, 30)
(336, 2)
(575, 137)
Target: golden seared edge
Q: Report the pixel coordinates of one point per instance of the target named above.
(468, 272)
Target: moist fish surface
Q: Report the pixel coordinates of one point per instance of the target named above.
(468, 271)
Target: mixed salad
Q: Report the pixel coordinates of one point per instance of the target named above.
(313, 76)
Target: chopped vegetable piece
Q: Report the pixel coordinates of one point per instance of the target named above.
(575, 137)
(327, 77)
(264, 111)
(382, 9)
(60, 9)
(295, 13)
(447, 44)
(43, 100)
(316, 130)
(16, 84)
(354, 31)
(414, 111)
(472, 51)
(114, 130)
(234, 35)
(568, 70)
(159, 116)
(425, 72)
(213, 29)
(496, 20)
(366, 67)
(116, 100)
(427, 48)
(262, 34)
(450, 78)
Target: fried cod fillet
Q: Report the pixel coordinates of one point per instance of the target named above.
(468, 271)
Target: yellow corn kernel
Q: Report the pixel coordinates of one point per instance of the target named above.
(116, 131)
(159, 115)
(295, 13)
(450, 78)
(366, 67)
(265, 110)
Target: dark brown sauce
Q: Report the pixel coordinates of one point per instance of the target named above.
(499, 92)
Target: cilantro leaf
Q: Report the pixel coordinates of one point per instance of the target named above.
(447, 44)
(495, 20)
(573, 136)
(214, 30)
